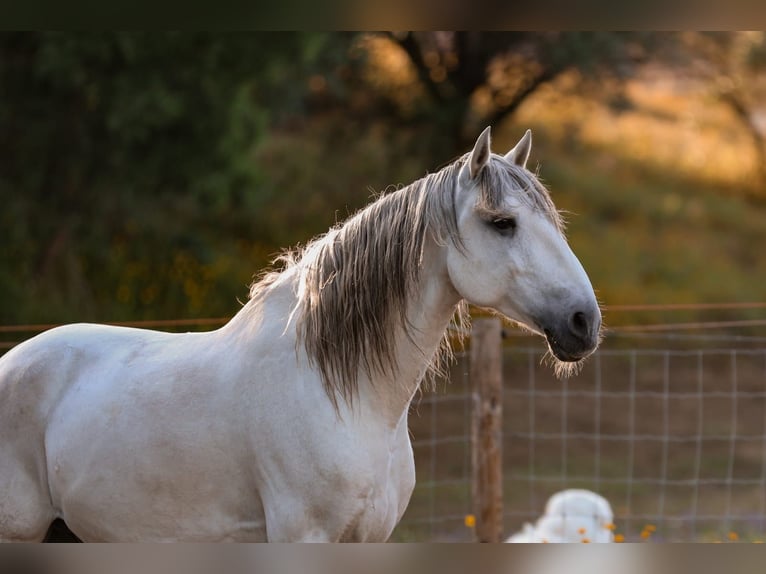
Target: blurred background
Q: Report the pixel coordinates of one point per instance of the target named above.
(150, 176)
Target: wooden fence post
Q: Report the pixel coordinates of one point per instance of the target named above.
(487, 428)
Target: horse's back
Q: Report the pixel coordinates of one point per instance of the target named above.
(38, 373)
(33, 375)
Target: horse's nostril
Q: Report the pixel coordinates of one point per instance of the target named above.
(578, 323)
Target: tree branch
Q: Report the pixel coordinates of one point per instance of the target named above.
(546, 76)
(412, 48)
(740, 109)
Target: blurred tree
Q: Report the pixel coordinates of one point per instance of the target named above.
(733, 66)
(474, 79)
(142, 174)
(119, 150)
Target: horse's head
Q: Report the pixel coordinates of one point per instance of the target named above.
(511, 254)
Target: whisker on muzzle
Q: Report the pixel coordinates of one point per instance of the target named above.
(562, 369)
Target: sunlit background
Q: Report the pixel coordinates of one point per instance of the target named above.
(149, 176)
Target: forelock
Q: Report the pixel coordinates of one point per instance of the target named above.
(501, 177)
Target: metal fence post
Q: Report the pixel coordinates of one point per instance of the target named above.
(487, 428)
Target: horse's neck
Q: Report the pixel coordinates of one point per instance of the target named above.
(428, 315)
(429, 312)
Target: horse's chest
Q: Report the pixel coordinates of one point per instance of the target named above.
(387, 499)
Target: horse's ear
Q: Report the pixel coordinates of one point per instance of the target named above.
(520, 152)
(480, 153)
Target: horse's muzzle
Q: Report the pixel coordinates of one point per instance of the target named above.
(576, 336)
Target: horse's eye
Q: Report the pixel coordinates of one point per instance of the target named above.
(504, 224)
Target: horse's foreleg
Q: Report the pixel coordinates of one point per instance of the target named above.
(321, 525)
(299, 535)
(293, 524)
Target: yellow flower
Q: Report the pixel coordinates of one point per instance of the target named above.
(585, 540)
(581, 530)
(733, 536)
(611, 526)
(645, 534)
(619, 538)
(470, 520)
(650, 528)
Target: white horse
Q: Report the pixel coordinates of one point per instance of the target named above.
(289, 423)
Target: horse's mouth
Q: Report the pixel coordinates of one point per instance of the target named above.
(562, 354)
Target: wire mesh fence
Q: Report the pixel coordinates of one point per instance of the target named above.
(673, 437)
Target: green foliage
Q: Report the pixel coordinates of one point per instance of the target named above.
(128, 161)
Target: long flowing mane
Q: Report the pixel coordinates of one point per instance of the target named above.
(355, 281)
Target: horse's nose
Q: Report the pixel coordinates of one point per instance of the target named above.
(585, 325)
(579, 324)
(575, 335)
